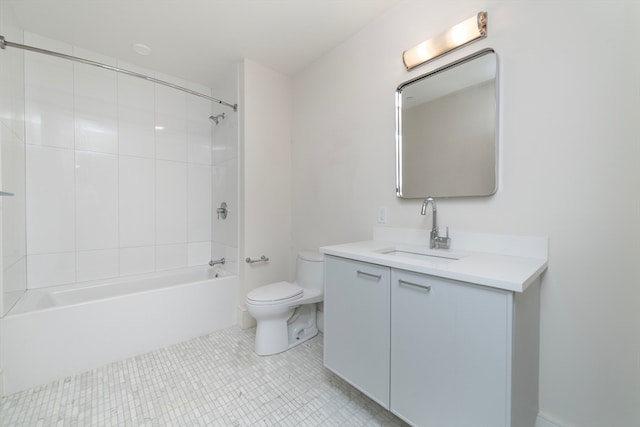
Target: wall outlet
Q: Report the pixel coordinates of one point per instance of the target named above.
(382, 215)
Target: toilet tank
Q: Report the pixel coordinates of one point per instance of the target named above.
(310, 270)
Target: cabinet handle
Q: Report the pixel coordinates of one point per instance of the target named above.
(373, 276)
(417, 285)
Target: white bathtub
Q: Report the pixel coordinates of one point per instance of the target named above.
(60, 331)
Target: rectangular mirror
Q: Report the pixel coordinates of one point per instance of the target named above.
(446, 137)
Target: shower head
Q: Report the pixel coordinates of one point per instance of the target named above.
(216, 119)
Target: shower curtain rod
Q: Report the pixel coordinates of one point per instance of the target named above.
(4, 43)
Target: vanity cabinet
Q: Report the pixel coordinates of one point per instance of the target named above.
(434, 351)
(356, 325)
(449, 352)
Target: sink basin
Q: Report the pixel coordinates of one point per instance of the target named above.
(421, 254)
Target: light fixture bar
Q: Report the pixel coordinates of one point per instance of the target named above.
(467, 31)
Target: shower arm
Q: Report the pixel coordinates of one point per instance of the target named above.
(4, 43)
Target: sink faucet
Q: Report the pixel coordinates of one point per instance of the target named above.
(435, 241)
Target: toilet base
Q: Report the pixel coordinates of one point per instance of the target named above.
(302, 325)
(277, 335)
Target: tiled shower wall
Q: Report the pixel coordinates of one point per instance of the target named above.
(225, 185)
(12, 155)
(119, 170)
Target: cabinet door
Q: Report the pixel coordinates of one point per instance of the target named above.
(356, 325)
(449, 354)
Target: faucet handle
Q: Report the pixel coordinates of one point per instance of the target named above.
(441, 242)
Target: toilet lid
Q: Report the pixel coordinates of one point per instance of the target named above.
(275, 293)
(311, 256)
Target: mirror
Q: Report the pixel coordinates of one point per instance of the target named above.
(446, 138)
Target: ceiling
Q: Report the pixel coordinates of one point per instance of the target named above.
(200, 40)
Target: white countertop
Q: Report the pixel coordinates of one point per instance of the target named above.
(507, 272)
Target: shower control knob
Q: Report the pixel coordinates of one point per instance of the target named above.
(222, 210)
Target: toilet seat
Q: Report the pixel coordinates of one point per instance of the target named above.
(275, 293)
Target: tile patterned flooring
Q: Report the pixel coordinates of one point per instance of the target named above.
(214, 380)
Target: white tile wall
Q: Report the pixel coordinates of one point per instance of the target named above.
(94, 265)
(137, 260)
(96, 200)
(48, 95)
(171, 202)
(198, 253)
(50, 269)
(13, 209)
(118, 170)
(225, 177)
(50, 200)
(14, 276)
(136, 117)
(95, 105)
(225, 138)
(137, 201)
(171, 256)
(12, 148)
(199, 131)
(199, 203)
(171, 122)
(229, 253)
(12, 91)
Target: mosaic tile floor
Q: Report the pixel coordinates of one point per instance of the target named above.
(215, 380)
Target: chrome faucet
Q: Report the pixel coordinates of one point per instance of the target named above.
(435, 241)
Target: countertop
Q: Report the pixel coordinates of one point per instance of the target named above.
(511, 273)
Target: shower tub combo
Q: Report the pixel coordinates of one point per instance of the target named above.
(64, 330)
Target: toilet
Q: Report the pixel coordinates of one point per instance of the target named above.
(285, 311)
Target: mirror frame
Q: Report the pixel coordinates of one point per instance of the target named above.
(446, 67)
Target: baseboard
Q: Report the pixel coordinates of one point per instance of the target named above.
(544, 420)
(245, 321)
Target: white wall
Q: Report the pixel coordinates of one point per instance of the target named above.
(569, 169)
(266, 176)
(118, 170)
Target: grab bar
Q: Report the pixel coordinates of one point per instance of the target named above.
(252, 261)
(218, 261)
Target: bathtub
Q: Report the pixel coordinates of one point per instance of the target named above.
(55, 332)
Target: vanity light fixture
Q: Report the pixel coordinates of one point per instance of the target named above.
(457, 36)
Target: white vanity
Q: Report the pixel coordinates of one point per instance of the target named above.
(438, 337)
